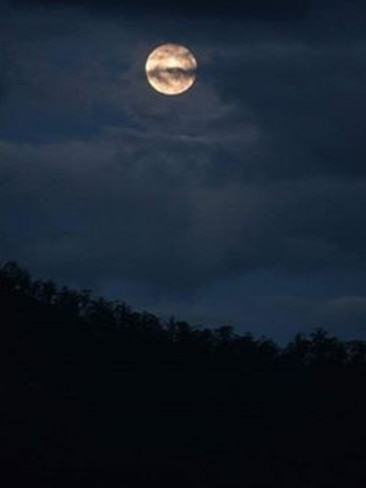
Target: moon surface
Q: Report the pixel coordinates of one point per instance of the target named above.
(171, 69)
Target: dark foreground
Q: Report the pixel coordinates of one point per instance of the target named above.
(94, 394)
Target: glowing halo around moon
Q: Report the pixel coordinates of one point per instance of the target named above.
(171, 69)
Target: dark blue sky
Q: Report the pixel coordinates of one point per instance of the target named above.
(241, 201)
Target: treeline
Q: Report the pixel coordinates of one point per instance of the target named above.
(42, 305)
(97, 394)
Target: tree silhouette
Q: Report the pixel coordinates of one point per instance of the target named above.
(95, 393)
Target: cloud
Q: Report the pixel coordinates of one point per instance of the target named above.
(309, 101)
(252, 8)
(345, 312)
(254, 174)
(224, 180)
(148, 212)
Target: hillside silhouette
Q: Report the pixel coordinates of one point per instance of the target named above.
(96, 394)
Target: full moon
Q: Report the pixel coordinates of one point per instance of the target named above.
(170, 69)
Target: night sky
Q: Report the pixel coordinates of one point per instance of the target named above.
(240, 202)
